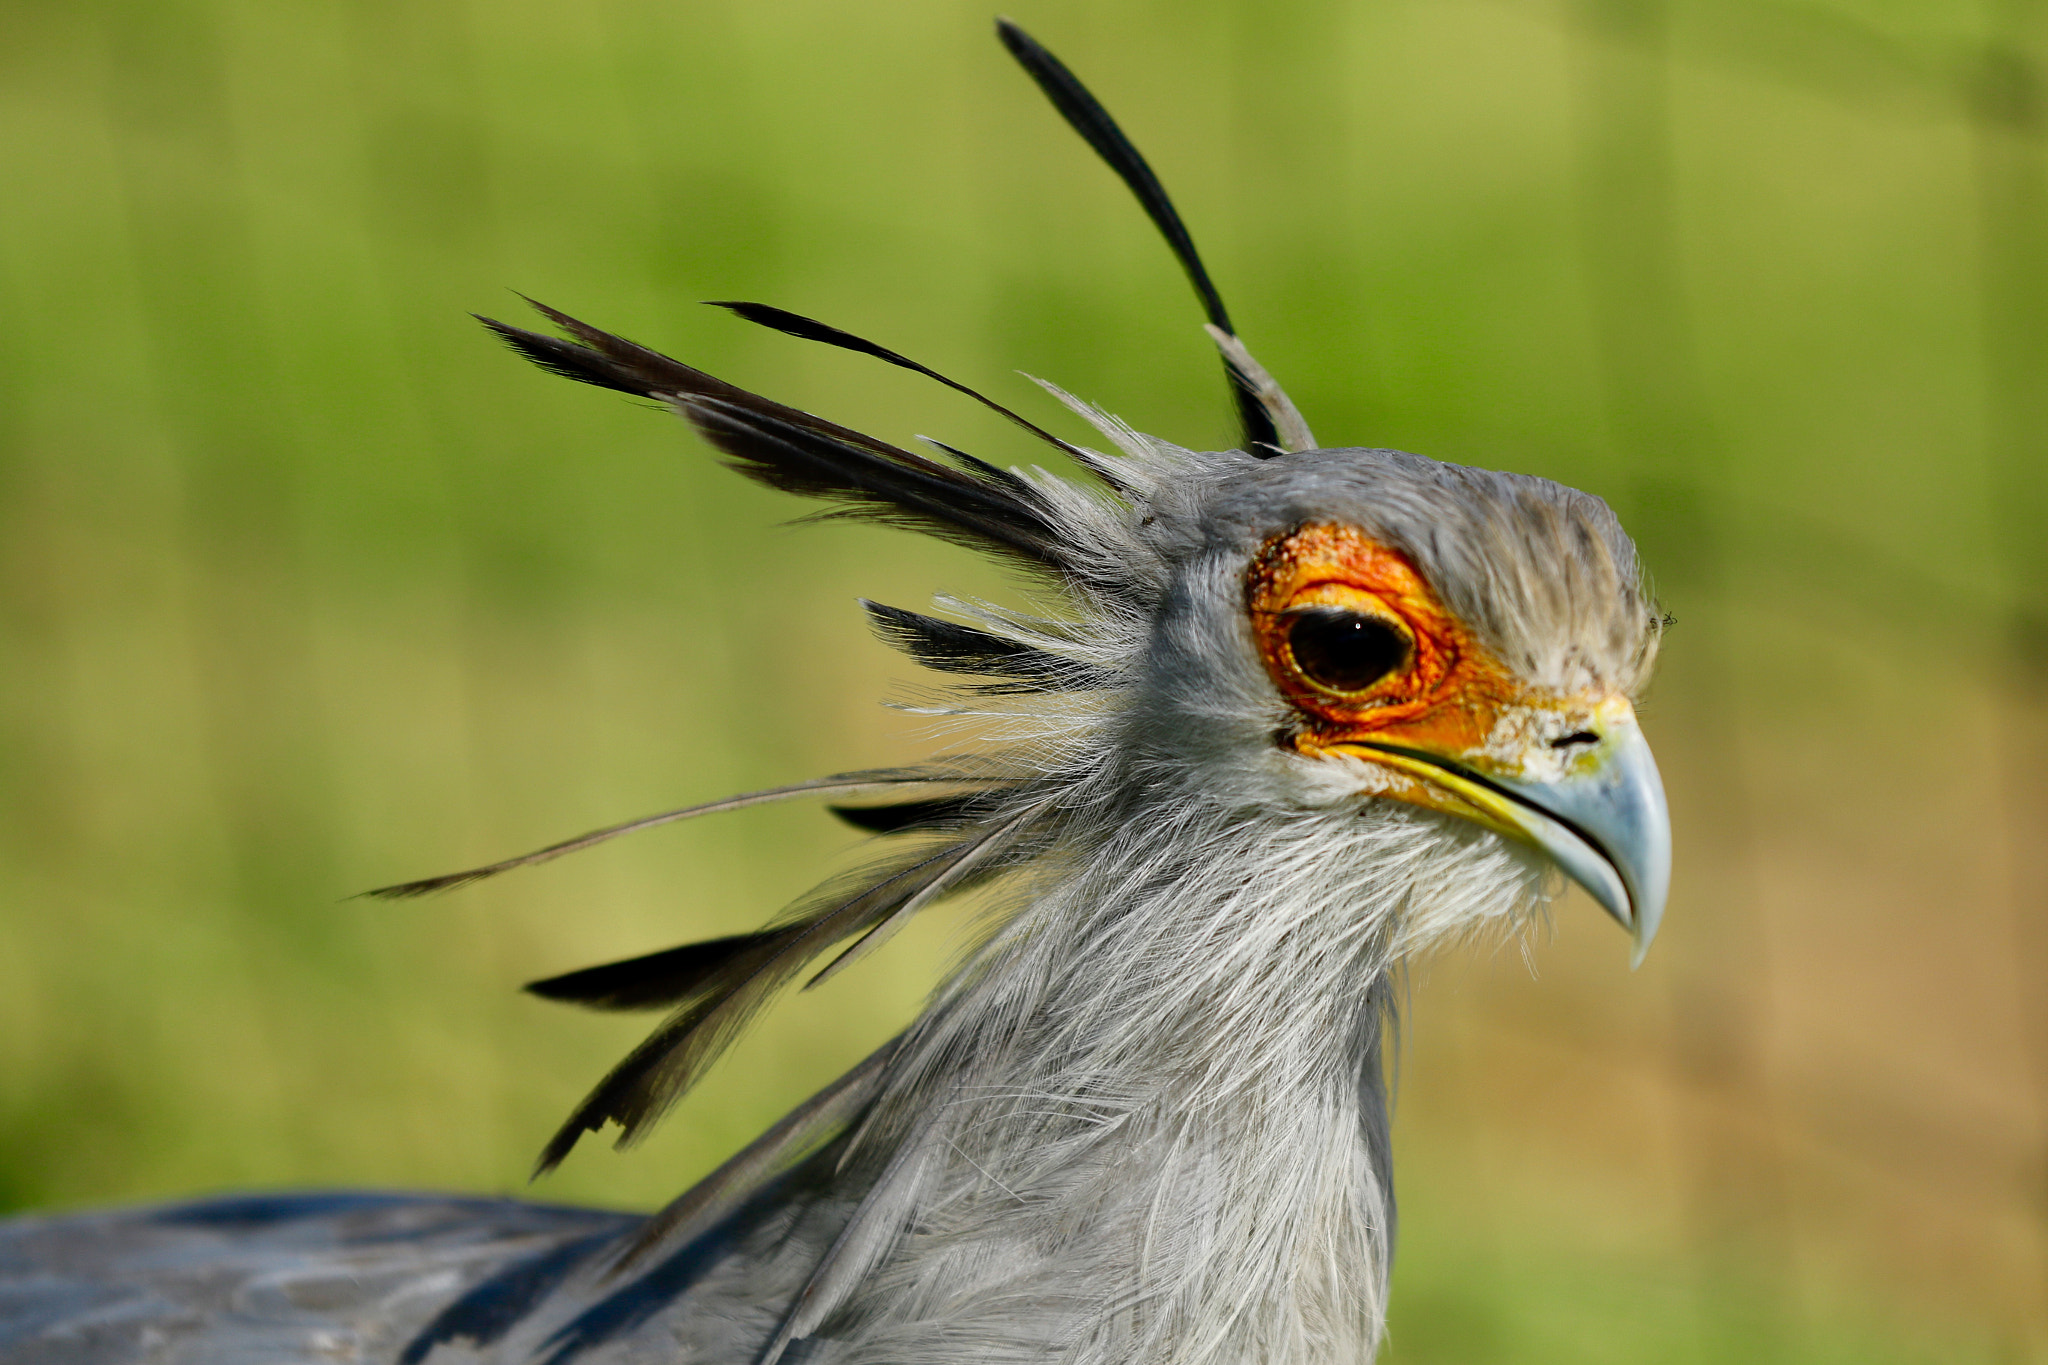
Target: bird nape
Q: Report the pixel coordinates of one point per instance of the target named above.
(1293, 714)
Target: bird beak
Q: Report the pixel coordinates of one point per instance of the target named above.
(1603, 821)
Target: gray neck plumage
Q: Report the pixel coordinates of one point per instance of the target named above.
(1147, 1122)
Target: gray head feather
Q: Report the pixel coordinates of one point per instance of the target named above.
(1146, 1120)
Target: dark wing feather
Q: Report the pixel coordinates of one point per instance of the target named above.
(954, 648)
(797, 452)
(1086, 116)
(279, 1278)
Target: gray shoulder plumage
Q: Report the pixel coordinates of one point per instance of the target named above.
(294, 1278)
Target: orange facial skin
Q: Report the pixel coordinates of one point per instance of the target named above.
(1446, 698)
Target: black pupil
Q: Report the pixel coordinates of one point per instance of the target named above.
(1344, 651)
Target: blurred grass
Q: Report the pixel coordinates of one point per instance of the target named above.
(306, 587)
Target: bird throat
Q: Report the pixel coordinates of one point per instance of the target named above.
(1161, 1129)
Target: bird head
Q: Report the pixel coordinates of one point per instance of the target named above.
(1350, 628)
(1302, 642)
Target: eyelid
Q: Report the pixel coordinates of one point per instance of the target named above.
(1386, 615)
(1336, 609)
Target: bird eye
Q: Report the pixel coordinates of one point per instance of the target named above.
(1345, 651)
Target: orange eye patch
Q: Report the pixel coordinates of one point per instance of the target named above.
(1355, 639)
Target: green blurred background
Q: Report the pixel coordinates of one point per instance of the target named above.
(307, 586)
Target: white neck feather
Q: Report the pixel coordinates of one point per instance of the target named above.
(1153, 1114)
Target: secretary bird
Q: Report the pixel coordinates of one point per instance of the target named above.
(1299, 713)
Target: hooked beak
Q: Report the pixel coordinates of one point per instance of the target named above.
(1604, 823)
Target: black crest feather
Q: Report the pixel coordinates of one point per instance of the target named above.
(652, 982)
(975, 822)
(717, 1002)
(914, 817)
(783, 447)
(954, 648)
(1086, 116)
(810, 329)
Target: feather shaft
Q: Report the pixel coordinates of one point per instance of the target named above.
(840, 784)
